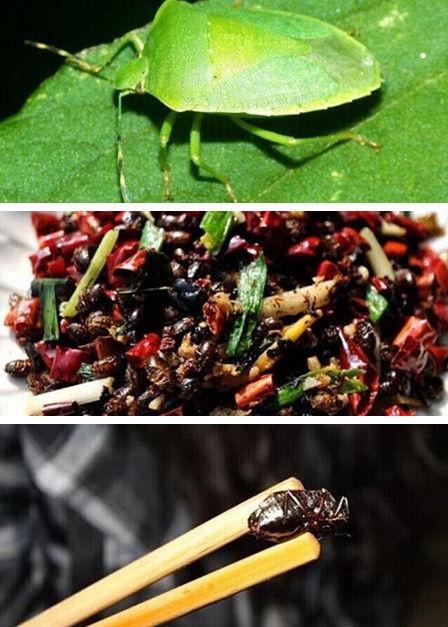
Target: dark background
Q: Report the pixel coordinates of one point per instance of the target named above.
(72, 25)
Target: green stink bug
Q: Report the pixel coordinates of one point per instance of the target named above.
(247, 63)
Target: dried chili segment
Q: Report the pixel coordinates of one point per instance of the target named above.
(255, 313)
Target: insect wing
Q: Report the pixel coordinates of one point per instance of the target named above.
(177, 52)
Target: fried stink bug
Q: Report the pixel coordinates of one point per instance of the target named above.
(285, 515)
(244, 62)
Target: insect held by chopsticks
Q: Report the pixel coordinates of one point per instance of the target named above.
(284, 515)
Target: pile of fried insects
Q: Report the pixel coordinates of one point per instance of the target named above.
(233, 313)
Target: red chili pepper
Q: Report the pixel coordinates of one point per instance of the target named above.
(256, 223)
(417, 329)
(24, 318)
(132, 265)
(440, 357)
(396, 410)
(414, 340)
(414, 228)
(44, 223)
(67, 362)
(371, 218)
(349, 239)
(255, 392)
(238, 244)
(67, 245)
(441, 274)
(395, 250)
(309, 247)
(441, 312)
(39, 261)
(353, 356)
(116, 313)
(56, 268)
(380, 284)
(328, 270)
(120, 254)
(147, 347)
(47, 352)
(50, 240)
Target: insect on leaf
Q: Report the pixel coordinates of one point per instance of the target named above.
(61, 145)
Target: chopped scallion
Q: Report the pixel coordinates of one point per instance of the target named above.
(152, 237)
(93, 272)
(217, 226)
(46, 290)
(377, 304)
(291, 392)
(49, 307)
(251, 289)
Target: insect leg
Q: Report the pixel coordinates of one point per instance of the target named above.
(287, 140)
(165, 135)
(195, 156)
(130, 39)
(120, 158)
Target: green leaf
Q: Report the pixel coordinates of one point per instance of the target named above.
(60, 147)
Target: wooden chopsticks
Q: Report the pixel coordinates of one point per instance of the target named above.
(188, 548)
(218, 585)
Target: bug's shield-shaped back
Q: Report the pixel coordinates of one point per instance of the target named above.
(213, 58)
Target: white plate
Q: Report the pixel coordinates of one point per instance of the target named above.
(17, 240)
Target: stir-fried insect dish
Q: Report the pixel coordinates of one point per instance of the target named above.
(227, 312)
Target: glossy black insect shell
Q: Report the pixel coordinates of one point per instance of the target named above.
(284, 515)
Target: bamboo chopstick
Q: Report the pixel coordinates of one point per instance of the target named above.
(218, 585)
(205, 539)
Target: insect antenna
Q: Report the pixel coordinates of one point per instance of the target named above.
(70, 58)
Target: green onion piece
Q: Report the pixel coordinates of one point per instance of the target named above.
(251, 289)
(291, 392)
(93, 272)
(377, 304)
(377, 257)
(49, 307)
(353, 386)
(217, 226)
(152, 237)
(46, 290)
(37, 284)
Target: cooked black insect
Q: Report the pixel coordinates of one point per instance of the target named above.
(285, 515)
(19, 367)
